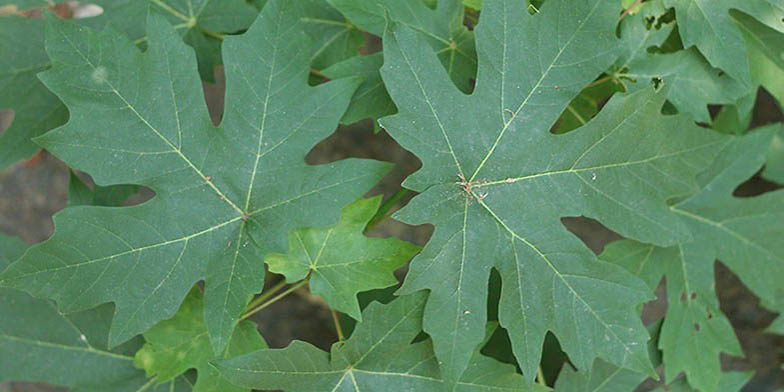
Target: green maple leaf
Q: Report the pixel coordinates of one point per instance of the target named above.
(378, 356)
(744, 233)
(371, 99)
(341, 261)
(181, 343)
(225, 196)
(443, 27)
(708, 25)
(495, 183)
(37, 343)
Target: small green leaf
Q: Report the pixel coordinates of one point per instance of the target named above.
(341, 261)
(181, 343)
(379, 356)
(371, 99)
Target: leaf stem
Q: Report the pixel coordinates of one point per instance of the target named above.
(383, 211)
(540, 376)
(338, 328)
(274, 299)
(263, 297)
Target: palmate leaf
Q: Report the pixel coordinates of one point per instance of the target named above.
(708, 25)
(744, 233)
(443, 27)
(341, 261)
(225, 196)
(39, 344)
(495, 184)
(378, 356)
(181, 343)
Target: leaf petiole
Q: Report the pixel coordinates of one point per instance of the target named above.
(274, 299)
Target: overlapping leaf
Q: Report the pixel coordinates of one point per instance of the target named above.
(341, 261)
(766, 56)
(371, 99)
(39, 344)
(378, 356)
(224, 196)
(495, 183)
(708, 25)
(443, 27)
(744, 233)
(696, 83)
(201, 23)
(335, 38)
(181, 343)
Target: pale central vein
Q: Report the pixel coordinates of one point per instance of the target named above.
(531, 93)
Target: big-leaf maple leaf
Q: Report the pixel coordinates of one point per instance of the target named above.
(224, 197)
(744, 233)
(496, 182)
(379, 356)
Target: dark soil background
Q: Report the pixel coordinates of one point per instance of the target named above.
(31, 192)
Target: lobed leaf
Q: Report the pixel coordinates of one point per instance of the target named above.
(495, 183)
(340, 261)
(225, 196)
